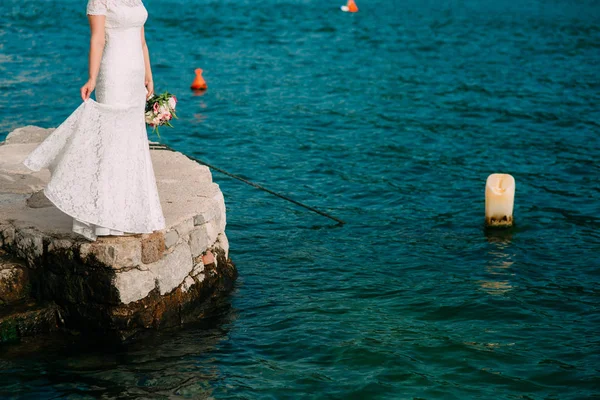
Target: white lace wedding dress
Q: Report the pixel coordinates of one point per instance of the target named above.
(99, 159)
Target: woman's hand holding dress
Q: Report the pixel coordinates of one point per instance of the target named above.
(87, 89)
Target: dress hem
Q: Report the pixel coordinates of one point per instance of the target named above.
(86, 220)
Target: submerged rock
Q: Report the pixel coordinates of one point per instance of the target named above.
(28, 319)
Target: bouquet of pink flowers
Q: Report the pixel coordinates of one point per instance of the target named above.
(160, 109)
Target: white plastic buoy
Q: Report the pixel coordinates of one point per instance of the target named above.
(499, 200)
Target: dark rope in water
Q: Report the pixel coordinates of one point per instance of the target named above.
(160, 146)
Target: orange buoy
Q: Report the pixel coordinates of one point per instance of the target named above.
(350, 7)
(199, 83)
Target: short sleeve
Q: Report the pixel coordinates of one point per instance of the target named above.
(96, 7)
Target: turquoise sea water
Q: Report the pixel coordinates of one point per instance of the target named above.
(390, 119)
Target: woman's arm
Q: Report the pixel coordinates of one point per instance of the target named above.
(96, 49)
(148, 80)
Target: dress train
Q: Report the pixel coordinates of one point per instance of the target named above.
(102, 173)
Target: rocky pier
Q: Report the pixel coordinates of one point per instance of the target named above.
(118, 286)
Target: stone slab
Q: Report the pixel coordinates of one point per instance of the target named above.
(28, 134)
(186, 190)
(135, 280)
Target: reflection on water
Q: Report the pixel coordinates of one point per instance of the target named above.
(499, 264)
(198, 116)
(161, 365)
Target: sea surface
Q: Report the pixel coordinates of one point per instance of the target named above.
(390, 119)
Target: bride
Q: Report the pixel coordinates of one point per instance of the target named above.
(101, 171)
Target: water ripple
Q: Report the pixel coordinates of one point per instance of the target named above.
(390, 119)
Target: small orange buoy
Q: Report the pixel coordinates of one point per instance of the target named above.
(199, 83)
(350, 7)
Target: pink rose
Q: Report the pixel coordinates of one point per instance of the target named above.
(155, 107)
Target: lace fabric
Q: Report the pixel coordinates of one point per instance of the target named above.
(101, 7)
(97, 7)
(101, 169)
(99, 159)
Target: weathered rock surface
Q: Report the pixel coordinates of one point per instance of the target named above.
(28, 318)
(14, 279)
(116, 284)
